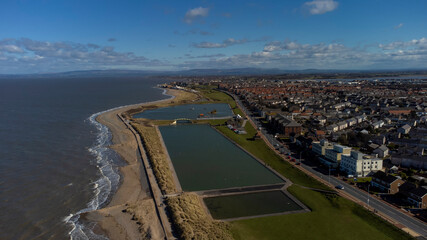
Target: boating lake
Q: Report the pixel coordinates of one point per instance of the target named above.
(250, 204)
(191, 111)
(205, 160)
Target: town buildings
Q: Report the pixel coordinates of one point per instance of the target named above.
(416, 196)
(285, 125)
(359, 164)
(386, 183)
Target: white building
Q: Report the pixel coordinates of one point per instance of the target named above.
(351, 122)
(320, 147)
(342, 125)
(382, 151)
(404, 129)
(334, 154)
(378, 124)
(359, 164)
(332, 128)
(361, 118)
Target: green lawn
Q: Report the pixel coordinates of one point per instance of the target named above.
(332, 217)
(217, 96)
(260, 149)
(360, 180)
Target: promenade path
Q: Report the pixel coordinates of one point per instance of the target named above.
(158, 197)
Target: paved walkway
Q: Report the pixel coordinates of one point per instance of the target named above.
(238, 190)
(154, 187)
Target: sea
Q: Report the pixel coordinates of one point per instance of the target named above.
(54, 157)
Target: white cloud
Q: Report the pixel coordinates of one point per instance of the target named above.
(294, 55)
(226, 43)
(278, 46)
(417, 43)
(398, 26)
(21, 54)
(11, 48)
(218, 55)
(27, 55)
(196, 14)
(321, 6)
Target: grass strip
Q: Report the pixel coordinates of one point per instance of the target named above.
(191, 221)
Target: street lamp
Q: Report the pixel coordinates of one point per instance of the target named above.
(329, 175)
(368, 195)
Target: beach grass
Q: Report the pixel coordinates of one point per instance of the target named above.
(157, 156)
(191, 220)
(332, 217)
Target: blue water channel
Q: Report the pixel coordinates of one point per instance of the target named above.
(191, 111)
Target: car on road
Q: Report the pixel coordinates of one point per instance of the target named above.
(341, 187)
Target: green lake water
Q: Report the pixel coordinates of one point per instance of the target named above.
(204, 159)
(191, 111)
(250, 204)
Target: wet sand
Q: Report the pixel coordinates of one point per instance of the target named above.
(131, 212)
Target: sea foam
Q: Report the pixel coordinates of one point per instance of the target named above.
(107, 164)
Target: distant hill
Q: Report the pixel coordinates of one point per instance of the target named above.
(215, 72)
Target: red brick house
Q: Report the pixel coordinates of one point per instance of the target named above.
(285, 126)
(386, 183)
(417, 196)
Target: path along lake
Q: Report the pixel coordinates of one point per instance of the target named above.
(54, 159)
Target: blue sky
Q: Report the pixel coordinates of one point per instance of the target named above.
(54, 36)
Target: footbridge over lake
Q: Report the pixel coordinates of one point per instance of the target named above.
(181, 120)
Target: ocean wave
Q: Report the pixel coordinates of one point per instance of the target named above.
(109, 179)
(106, 161)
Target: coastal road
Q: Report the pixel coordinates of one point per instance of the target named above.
(366, 200)
(362, 197)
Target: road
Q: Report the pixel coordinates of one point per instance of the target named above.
(389, 211)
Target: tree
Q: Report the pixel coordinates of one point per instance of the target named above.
(343, 139)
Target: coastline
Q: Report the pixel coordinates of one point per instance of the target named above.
(130, 213)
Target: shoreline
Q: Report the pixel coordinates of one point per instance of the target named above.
(130, 212)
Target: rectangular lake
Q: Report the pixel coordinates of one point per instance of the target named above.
(191, 111)
(204, 159)
(250, 204)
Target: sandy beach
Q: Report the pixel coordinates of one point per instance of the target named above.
(131, 212)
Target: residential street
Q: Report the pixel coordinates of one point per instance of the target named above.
(362, 197)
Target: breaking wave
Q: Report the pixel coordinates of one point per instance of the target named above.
(107, 162)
